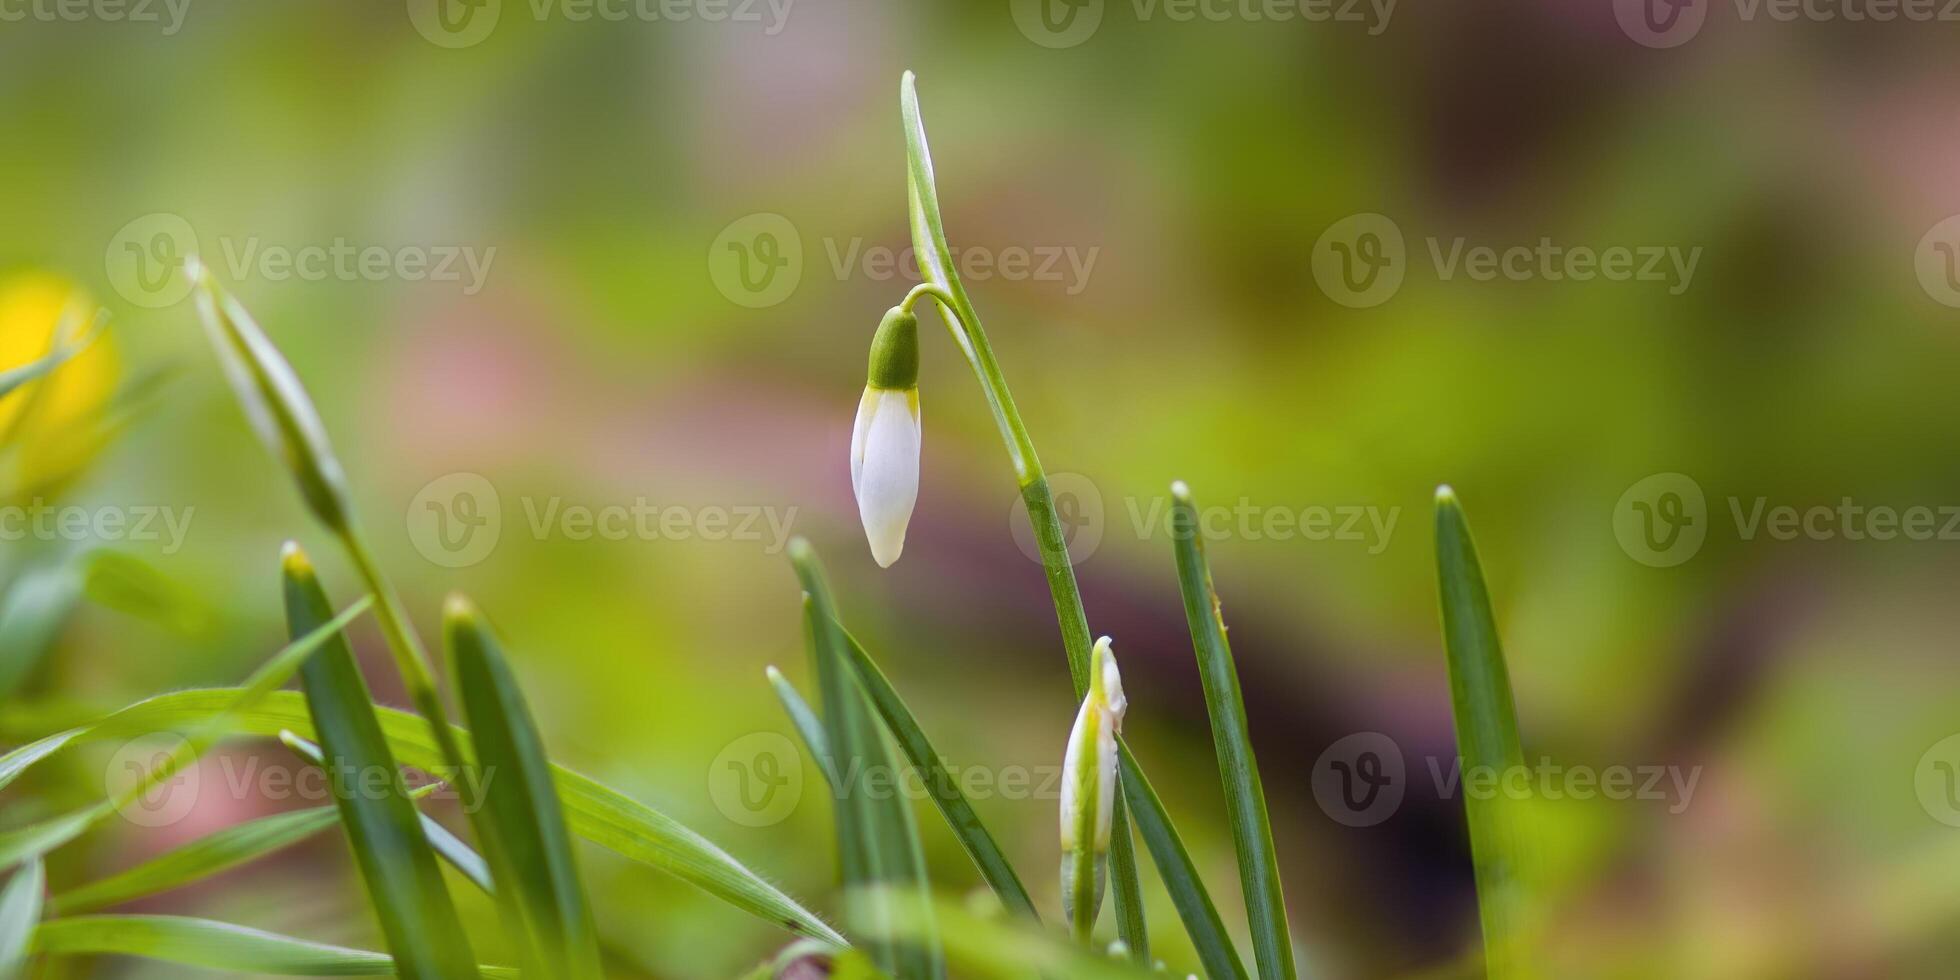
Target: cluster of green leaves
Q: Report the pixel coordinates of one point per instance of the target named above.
(523, 810)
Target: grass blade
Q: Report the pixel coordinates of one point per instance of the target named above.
(939, 780)
(1174, 865)
(446, 845)
(594, 811)
(1245, 797)
(1486, 737)
(36, 606)
(383, 828)
(42, 837)
(808, 727)
(877, 840)
(201, 858)
(20, 910)
(519, 820)
(215, 945)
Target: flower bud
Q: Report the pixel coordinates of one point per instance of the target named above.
(885, 439)
(1089, 790)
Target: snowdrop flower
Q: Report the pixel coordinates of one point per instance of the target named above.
(1089, 790)
(885, 440)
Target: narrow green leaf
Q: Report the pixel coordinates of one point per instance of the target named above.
(36, 606)
(275, 402)
(53, 832)
(595, 811)
(1180, 874)
(808, 727)
(940, 782)
(383, 827)
(22, 759)
(447, 845)
(1128, 897)
(1245, 797)
(1486, 739)
(20, 910)
(878, 841)
(1011, 948)
(519, 820)
(217, 946)
(209, 855)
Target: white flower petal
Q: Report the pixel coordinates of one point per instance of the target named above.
(885, 468)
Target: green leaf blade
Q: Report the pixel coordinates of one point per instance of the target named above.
(878, 841)
(519, 821)
(383, 827)
(211, 854)
(1180, 874)
(1245, 795)
(940, 782)
(1486, 735)
(215, 945)
(20, 911)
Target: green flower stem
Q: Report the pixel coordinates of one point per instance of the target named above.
(411, 659)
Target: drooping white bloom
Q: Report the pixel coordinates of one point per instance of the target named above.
(885, 467)
(1089, 788)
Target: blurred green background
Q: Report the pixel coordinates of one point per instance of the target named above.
(1169, 181)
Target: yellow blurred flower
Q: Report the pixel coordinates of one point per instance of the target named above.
(51, 423)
